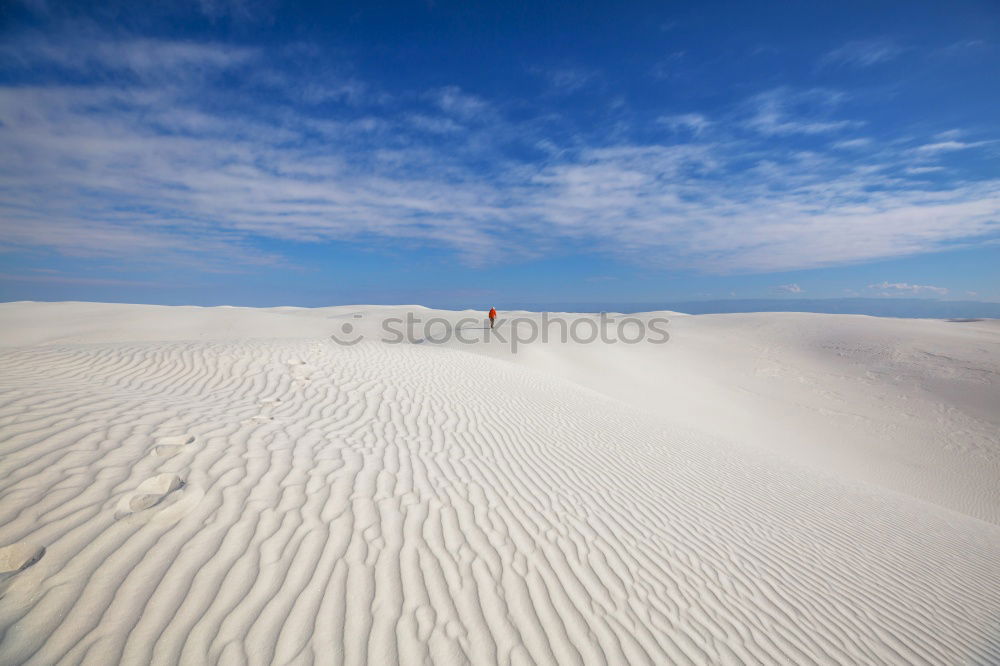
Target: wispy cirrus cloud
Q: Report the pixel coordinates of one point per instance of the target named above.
(699, 209)
(851, 144)
(691, 122)
(143, 59)
(947, 146)
(566, 79)
(911, 288)
(863, 53)
(783, 112)
(453, 100)
(149, 152)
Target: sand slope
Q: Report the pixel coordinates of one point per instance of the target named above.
(255, 496)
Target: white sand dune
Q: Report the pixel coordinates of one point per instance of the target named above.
(228, 485)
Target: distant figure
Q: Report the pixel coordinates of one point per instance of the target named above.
(493, 315)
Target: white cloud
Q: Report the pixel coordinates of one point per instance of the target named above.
(783, 112)
(947, 146)
(566, 79)
(963, 48)
(145, 59)
(162, 166)
(691, 122)
(851, 144)
(435, 124)
(912, 288)
(949, 135)
(669, 66)
(790, 288)
(454, 101)
(690, 203)
(862, 53)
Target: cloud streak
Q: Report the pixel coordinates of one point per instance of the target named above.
(784, 112)
(911, 288)
(862, 53)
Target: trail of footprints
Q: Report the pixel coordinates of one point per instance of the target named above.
(266, 405)
(301, 371)
(17, 557)
(154, 490)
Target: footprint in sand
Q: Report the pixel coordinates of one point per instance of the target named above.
(300, 369)
(19, 556)
(172, 445)
(266, 405)
(149, 493)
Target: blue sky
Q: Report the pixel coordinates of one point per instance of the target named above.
(259, 153)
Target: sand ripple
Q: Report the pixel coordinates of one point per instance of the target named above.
(298, 502)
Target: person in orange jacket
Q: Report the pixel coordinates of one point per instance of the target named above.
(493, 315)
